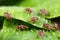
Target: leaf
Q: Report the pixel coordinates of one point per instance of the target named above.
(52, 6)
(8, 33)
(20, 14)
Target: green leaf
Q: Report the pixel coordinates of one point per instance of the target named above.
(10, 33)
(20, 14)
(52, 6)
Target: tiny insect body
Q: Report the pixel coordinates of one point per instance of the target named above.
(43, 11)
(56, 27)
(41, 33)
(46, 26)
(7, 15)
(21, 27)
(28, 10)
(33, 19)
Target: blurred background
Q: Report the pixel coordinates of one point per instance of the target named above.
(30, 3)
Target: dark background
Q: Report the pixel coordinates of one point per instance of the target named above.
(9, 2)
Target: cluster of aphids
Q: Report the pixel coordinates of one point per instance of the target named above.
(45, 12)
(33, 19)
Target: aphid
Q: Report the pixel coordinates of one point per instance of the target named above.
(28, 10)
(56, 27)
(33, 19)
(43, 11)
(41, 33)
(7, 15)
(21, 27)
(46, 26)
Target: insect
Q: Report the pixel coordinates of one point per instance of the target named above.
(44, 11)
(28, 10)
(56, 27)
(7, 15)
(21, 27)
(41, 33)
(33, 19)
(46, 26)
